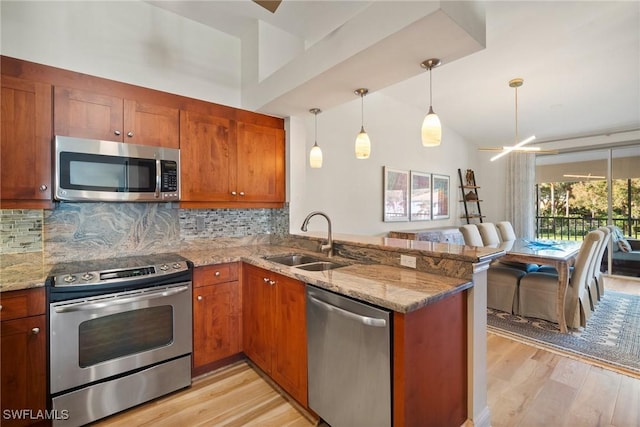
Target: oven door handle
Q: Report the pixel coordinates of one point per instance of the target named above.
(123, 300)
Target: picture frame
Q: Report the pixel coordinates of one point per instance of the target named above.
(440, 196)
(396, 195)
(420, 205)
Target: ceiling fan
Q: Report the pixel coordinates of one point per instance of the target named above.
(270, 5)
(519, 146)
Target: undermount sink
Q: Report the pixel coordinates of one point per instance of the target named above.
(305, 262)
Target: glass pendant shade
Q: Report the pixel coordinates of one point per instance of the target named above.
(431, 130)
(315, 157)
(363, 145)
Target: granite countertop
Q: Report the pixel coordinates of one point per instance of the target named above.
(397, 288)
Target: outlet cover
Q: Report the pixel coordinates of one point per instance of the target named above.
(408, 261)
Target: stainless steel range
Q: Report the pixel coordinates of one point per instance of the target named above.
(119, 334)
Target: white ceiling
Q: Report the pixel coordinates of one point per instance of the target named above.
(580, 62)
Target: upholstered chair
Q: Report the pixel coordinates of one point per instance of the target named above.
(489, 234)
(502, 288)
(471, 235)
(598, 280)
(538, 292)
(505, 229)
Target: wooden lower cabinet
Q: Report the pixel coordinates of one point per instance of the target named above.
(23, 350)
(217, 316)
(274, 328)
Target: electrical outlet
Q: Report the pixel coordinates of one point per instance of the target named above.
(408, 261)
(199, 224)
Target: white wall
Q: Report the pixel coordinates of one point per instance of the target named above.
(350, 191)
(128, 41)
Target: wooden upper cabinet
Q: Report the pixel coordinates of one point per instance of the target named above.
(25, 162)
(207, 158)
(261, 171)
(84, 114)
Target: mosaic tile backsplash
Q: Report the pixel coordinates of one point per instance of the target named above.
(99, 230)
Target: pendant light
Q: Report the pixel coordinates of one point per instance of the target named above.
(363, 144)
(315, 155)
(431, 128)
(515, 83)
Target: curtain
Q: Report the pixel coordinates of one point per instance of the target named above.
(520, 200)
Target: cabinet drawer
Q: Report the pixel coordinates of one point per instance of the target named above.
(212, 274)
(23, 303)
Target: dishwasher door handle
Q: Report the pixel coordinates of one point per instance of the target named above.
(366, 320)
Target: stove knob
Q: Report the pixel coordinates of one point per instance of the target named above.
(69, 278)
(176, 265)
(164, 267)
(87, 276)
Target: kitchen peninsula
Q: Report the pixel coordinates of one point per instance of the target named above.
(439, 329)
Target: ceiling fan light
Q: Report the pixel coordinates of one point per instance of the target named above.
(363, 145)
(431, 130)
(315, 157)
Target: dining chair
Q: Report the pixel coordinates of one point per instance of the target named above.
(502, 288)
(471, 235)
(596, 274)
(505, 229)
(538, 292)
(489, 233)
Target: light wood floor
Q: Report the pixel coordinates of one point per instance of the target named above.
(526, 387)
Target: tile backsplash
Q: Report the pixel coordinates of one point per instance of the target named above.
(76, 231)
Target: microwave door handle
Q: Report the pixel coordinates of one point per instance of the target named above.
(158, 177)
(89, 305)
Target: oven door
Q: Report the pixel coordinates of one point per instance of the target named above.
(95, 338)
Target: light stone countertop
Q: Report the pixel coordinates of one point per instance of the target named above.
(397, 288)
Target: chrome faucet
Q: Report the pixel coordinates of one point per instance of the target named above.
(328, 248)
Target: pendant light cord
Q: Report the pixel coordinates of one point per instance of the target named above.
(362, 112)
(315, 138)
(516, 141)
(430, 89)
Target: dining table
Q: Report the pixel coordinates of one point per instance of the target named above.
(560, 254)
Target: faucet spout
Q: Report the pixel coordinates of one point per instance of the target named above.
(328, 248)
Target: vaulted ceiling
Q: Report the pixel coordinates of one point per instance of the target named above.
(580, 61)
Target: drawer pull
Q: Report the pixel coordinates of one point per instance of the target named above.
(35, 331)
(199, 297)
(217, 274)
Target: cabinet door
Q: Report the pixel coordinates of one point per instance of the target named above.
(207, 158)
(217, 314)
(23, 366)
(25, 163)
(289, 365)
(149, 124)
(260, 163)
(257, 323)
(87, 115)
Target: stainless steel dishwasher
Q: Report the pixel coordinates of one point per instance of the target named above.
(349, 360)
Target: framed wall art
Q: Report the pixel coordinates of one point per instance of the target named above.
(420, 209)
(396, 195)
(440, 196)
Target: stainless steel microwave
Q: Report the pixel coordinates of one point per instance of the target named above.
(107, 171)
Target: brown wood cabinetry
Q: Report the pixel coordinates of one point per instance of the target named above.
(217, 316)
(229, 163)
(84, 114)
(274, 328)
(23, 354)
(25, 163)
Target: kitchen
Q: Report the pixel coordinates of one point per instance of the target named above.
(70, 228)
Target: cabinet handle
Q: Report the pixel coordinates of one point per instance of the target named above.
(43, 188)
(0, 307)
(35, 331)
(199, 297)
(217, 274)
(117, 132)
(265, 279)
(233, 193)
(242, 193)
(272, 282)
(129, 134)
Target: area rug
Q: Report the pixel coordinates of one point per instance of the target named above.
(611, 338)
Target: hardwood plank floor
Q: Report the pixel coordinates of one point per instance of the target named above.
(526, 387)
